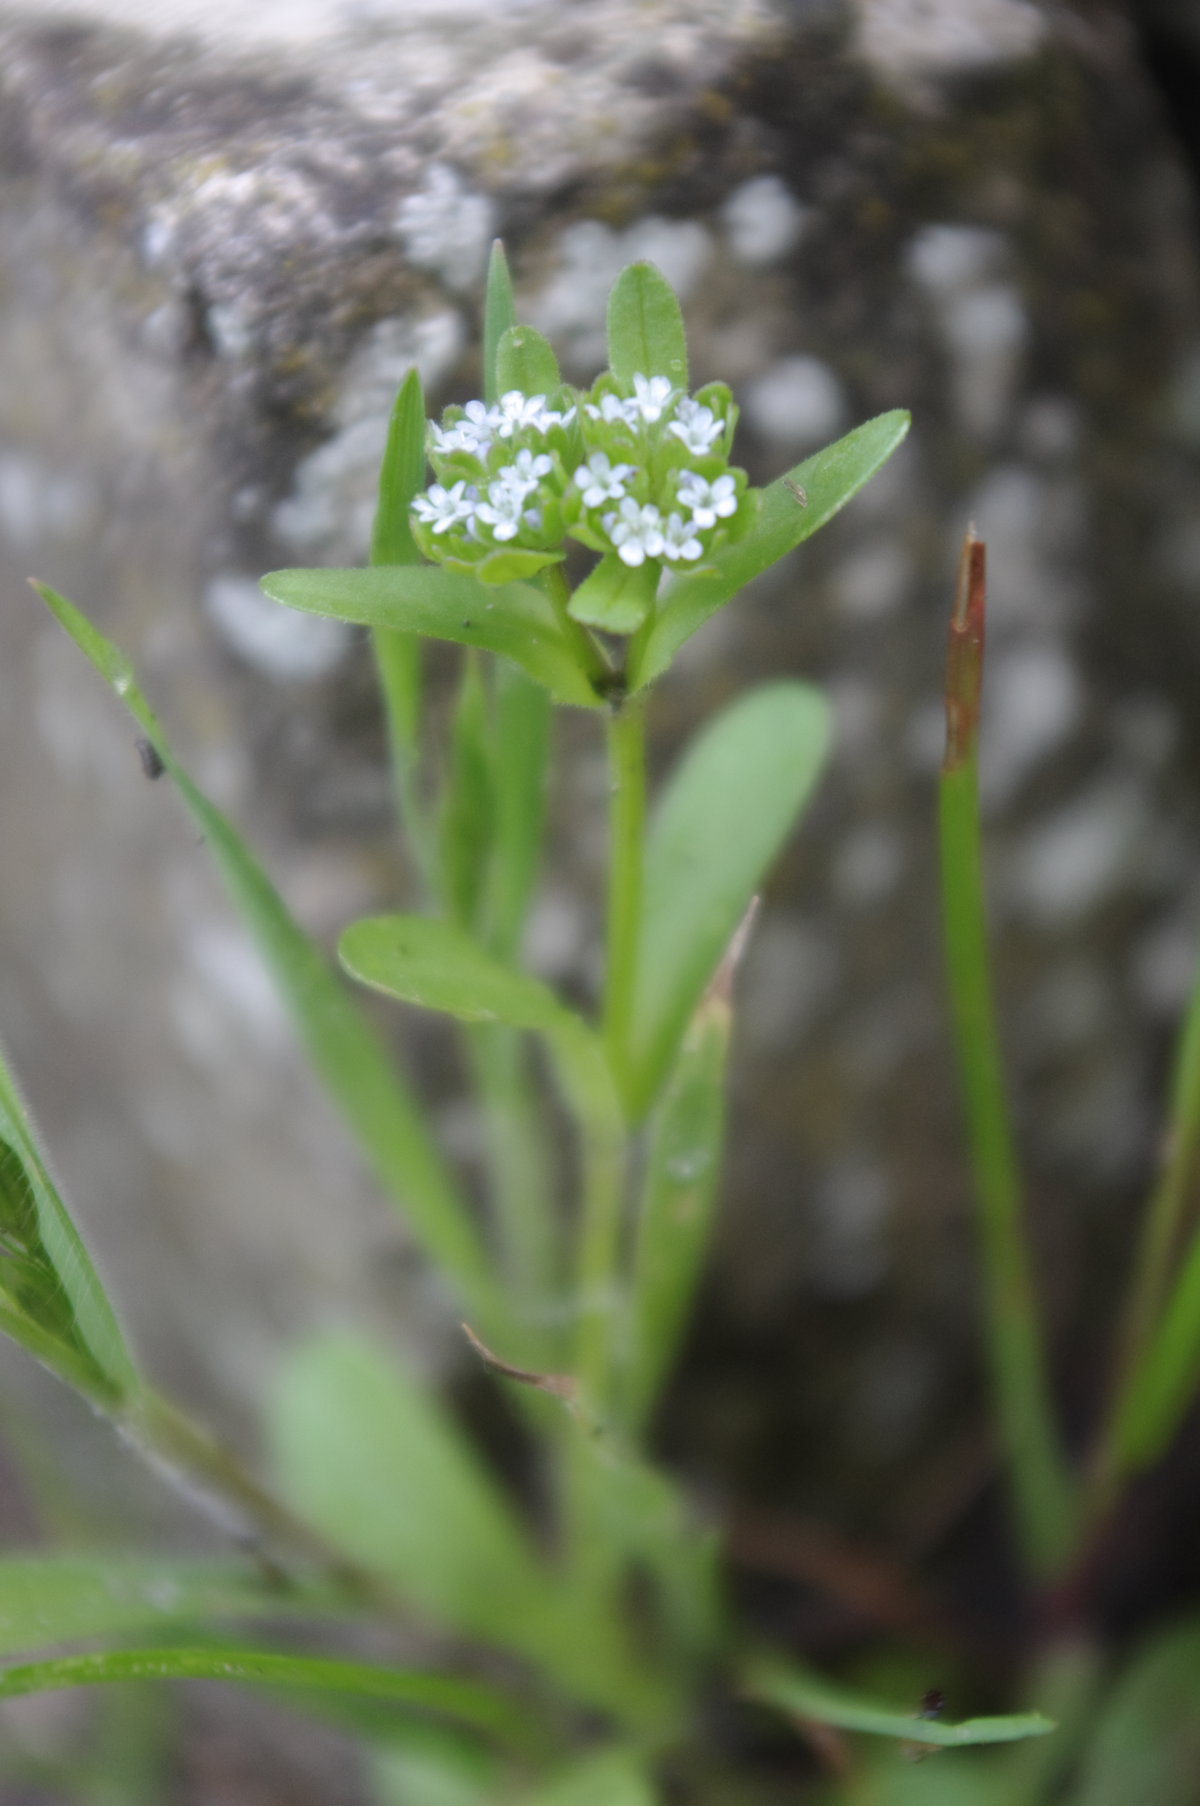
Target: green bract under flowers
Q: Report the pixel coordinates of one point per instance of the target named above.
(638, 472)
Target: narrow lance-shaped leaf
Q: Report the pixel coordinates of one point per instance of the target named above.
(645, 327)
(47, 1599)
(725, 814)
(805, 1695)
(674, 1221)
(51, 1299)
(793, 508)
(468, 1702)
(526, 361)
(345, 1052)
(512, 619)
(499, 313)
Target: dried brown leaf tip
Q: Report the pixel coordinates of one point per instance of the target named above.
(964, 665)
(560, 1385)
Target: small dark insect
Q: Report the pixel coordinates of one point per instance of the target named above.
(466, 623)
(152, 765)
(801, 495)
(933, 1703)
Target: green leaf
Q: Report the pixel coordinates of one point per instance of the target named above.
(645, 327)
(615, 596)
(499, 313)
(674, 1221)
(525, 361)
(515, 619)
(401, 475)
(344, 1050)
(827, 481)
(806, 1695)
(374, 1464)
(46, 1599)
(726, 812)
(434, 1766)
(1146, 1746)
(51, 1299)
(435, 965)
(612, 1777)
(467, 807)
(468, 1702)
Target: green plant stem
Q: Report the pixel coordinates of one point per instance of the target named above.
(397, 661)
(627, 780)
(1044, 1496)
(591, 659)
(210, 1472)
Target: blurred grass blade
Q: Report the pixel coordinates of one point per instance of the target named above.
(805, 1695)
(51, 1300)
(826, 482)
(1159, 1345)
(432, 1765)
(610, 1777)
(674, 1221)
(645, 327)
(398, 654)
(515, 620)
(46, 1599)
(1143, 1749)
(499, 313)
(345, 1052)
(724, 816)
(467, 1702)
(1044, 1496)
(526, 361)
(1163, 1386)
(465, 828)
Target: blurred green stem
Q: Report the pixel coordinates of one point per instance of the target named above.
(1044, 1495)
(627, 781)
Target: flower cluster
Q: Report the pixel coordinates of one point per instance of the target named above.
(638, 473)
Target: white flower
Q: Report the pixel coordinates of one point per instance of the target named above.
(503, 508)
(697, 426)
(612, 409)
(651, 395)
(516, 410)
(471, 434)
(679, 538)
(635, 531)
(707, 500)
(601, 480)
(551, 418)
(527, 469)
(444, 508)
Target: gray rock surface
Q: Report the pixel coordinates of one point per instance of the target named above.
(217, 259)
